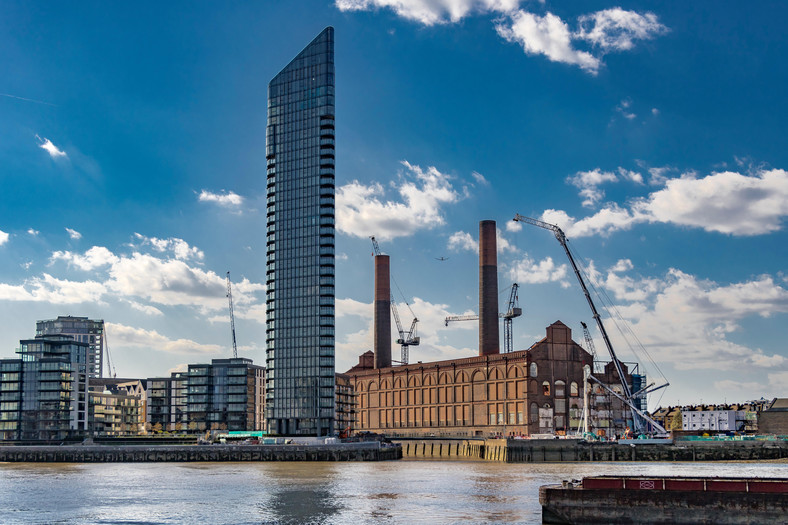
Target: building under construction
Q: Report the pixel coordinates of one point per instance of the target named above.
(538, 390)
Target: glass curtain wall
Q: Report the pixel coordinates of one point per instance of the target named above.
(300, 244)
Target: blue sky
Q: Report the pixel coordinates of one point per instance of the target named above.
(132, 167)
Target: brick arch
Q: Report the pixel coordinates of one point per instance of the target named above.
(385, 385)
(495, 373)
(515, 371)
(361, 386)
(414, 381)
(477, 375)
(443, 378)
(399, 383)
(429, 380)
(461, 377)
(373, 385)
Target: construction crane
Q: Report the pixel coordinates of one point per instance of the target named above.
(589, 342)
(232, 316)
(110, 364)
(512, 310)
(406, 339)
(628, 396)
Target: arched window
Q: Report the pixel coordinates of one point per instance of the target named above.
(546, 388)
(573, 389)
(560, 390)
(534, 370)
(533, 413)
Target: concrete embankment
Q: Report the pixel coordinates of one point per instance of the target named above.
(558, 450)
(365, 451)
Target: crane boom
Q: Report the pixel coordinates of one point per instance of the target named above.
(628, 397)
(232, 316)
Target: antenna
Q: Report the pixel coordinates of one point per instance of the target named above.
(232, 317)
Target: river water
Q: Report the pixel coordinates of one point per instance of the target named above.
(407, 491)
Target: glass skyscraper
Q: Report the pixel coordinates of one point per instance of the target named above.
(300, 244)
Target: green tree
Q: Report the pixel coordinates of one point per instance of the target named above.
(676, 421)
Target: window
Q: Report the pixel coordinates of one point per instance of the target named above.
(560, 388)
(534, 370)
(573, 389)
(546, 388)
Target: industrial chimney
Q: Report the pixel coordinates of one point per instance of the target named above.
(488, 289)
(382, 328)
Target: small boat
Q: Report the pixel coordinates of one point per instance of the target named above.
(665, 500)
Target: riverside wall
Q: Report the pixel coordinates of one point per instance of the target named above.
(559, 450)
(365, 451)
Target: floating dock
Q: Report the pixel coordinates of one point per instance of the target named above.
(665, 500)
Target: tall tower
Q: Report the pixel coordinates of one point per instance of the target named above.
(300, 244)
(382, 321)
(488, 289)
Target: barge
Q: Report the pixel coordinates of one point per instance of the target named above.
(665, 500)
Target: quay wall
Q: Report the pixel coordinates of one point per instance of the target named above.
(367, 451)
(560, 450)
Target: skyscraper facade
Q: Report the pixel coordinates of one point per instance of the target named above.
(300, 243)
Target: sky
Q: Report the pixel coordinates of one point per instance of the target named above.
(132, 175)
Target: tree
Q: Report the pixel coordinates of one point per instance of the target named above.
(676, 423)
(157, 428)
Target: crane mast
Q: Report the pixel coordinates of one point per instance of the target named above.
(232, 316)
(628, 397)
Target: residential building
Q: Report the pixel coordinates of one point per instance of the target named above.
(300, 214)
(345, 404)
(84, 330)
(44, 393)
(167, 402)
(227, 394)
(711, 420)
(115, 415)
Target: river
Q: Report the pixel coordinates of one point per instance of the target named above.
(407, 491)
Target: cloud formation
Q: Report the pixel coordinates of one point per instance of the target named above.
(74, 234)
(727, 202)
(176, 246)
(464, 241)
(686, 321)
(3, 237)
(123, 335)
(50, 148)
(227, 199)
(361, 210)
(603, 31)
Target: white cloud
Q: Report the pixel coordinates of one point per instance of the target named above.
(629, 175)
(95, 257)
(545, 35)
(127, 336)
(588, 182)
(361, 212)
(179, 248)
(3, 237)
(654, 111)
(727, 202)
(529, 271)
(348, 307)
(227, 199)
(623, 108)
(616, 29)
(514, 226)
(50, 148)
(33, 232)
(430, 12)
(478, 177)
(724, 202)
(463, 241)
(686, 321)
(145, 308)
(49, 289)
(74, 234)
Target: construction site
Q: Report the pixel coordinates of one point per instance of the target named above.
(555, 387)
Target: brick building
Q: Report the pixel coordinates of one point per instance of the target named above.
(533, 391)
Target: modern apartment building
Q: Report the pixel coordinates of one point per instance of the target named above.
(84, 330)
(227, 394)
(167, 402)
(44, 393)
(300, 215)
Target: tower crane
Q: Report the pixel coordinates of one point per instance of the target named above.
(512, 310)
(589, 341)
(628, 396)
(232, 316)
(406, 339)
